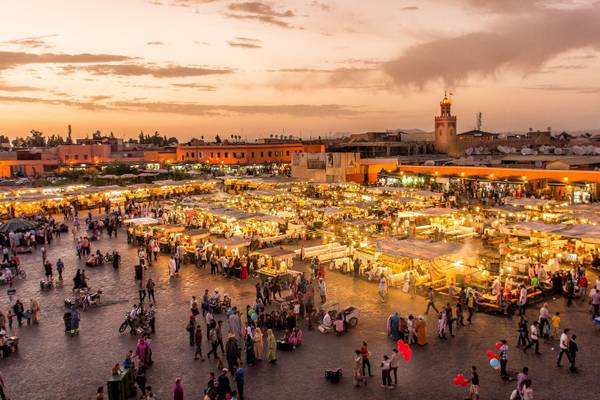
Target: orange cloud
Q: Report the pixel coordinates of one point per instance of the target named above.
(31, 41)
(11, 59)
(262, 12)
(198, 86)
(169, 71)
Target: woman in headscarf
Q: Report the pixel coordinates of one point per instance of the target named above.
(250, 357)
(272, 347)
(141, 350)
(34, 306)
(421, 332)
(259, 346)
(394, 326)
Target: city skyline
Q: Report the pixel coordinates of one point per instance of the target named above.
(204, 67)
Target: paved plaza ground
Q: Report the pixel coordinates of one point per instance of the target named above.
(52, 365)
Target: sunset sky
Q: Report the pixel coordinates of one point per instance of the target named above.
(200, 67)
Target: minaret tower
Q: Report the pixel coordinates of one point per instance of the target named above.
(445, 127)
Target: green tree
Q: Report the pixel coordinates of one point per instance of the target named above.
(217, 139)
(36, 139)
(97, 135)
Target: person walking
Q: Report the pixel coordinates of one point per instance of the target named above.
(544, 328)
(322, 290)
(386, 380)
(191, 329)
(178, 390)
(239, 382)
(527, 390)
(596, 303)
(522, 300)
(470, 307)
(382, 287)
(430, 301)
(504, 359)
(394, 364)
(474, 384)
(214, 343)
(534, 338)
(573, 349)
(60, 267)
(198, 339)
(150, 290)
(271, 347)
(152, 317)
(523, 332)
(563, 346)
(366, 364)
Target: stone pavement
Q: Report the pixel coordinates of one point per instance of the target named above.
(52, 365)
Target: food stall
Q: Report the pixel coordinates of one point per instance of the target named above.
(275, 263)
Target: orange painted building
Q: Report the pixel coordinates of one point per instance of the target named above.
(241, 153)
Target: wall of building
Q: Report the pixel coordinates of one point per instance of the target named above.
(239, 154)
(84, 153)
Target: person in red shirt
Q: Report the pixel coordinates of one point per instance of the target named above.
(364, 351)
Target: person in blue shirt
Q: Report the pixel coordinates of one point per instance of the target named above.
(239, 382)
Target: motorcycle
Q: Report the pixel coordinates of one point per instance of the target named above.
(91, 299)
(137, 326)
(84, 299)
(108, 258)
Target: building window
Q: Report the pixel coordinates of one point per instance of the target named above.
(234, 155)
(66, 156)
(269, 154)
(287, 153)
(262, 154)
(252, 154)
(187, 155)
(212, 155)
(192, 154)
(200, 154)
(226, 154)
(182, 158)
(77, 156)
(218, 154)
(243, 154)
(85, 156)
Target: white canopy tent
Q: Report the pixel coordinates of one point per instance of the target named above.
(142, 221)
(417, 248)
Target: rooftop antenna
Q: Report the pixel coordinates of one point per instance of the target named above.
(478, 121)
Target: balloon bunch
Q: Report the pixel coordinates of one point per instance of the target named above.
(460, 380)
(405, 350)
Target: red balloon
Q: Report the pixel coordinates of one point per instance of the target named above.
(491, 354)
(498, 345)
(460, 380)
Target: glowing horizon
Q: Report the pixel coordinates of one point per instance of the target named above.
(188, 68)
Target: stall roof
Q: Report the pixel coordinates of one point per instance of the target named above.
(329, 210)
(276, 252)
(582, 231)
(197, 233)
(232, 242)
(417, 248)
(437, 211)
(537, 226)
(171, 228)
(524, 201)
(142, 221)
